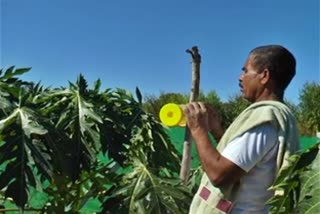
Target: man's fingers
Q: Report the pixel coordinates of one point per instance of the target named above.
(194, 107)
(185, 109)
(202, 106)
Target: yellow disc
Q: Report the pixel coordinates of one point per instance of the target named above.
(171, 115)
(183, 121)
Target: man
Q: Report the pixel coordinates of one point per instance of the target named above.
(255, 146)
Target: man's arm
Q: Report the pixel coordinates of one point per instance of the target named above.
(217, 134)
(219, 169)
(214, 123)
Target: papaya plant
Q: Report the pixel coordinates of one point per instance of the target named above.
(51, 138)
(297, 185)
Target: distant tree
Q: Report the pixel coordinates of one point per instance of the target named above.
(212, 98)
(293, 107)
(153, 104)
(232, 108)
(309, 116)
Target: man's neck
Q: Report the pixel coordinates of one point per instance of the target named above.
(270, 95)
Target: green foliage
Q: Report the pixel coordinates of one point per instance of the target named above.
(309, 118)
(50, 140)
(297, 185)
(309, 201)
(212, 98)
(153, 104)
(293, 107)
(147, 190)
(231, 109)
(19, 148)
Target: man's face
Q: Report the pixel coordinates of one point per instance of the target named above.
(249, 81)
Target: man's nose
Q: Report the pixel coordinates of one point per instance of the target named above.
(241, 77)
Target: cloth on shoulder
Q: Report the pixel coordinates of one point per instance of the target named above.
(273, 112)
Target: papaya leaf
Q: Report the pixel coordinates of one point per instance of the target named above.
(290, 184)
(146, 192)
(310, 187)
(139, 96)
(73, 112)
(82, 84)
(97, 85)
(11, 72)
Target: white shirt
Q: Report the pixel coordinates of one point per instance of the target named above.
(255, 152)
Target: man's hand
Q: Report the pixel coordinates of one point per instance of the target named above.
(197, 118)
(202, 118)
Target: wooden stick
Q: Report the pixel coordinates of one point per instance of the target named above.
(194, 94)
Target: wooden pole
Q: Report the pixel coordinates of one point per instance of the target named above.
(194, 94)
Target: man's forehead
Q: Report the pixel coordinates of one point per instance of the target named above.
(248, 64)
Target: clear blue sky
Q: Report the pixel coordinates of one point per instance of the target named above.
(142, 43)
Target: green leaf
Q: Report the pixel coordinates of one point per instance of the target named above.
(310, 188)
(9, 120)
(139, 96)
(16, 130)
(29, 125)
(85, 111)
(296, 184)
(82, 84)
(148, 193)
(73, 112)
(37, 199)
(11, 72)
(93, 205)
(97, 85)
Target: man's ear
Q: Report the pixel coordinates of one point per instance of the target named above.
(265, 76)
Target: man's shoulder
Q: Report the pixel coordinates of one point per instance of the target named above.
(270, 105)
(249, 148)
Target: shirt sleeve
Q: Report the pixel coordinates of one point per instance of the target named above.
(248, 149)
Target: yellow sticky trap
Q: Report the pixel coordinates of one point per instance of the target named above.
(172, 115)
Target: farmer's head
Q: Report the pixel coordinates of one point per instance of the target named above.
(267, 72)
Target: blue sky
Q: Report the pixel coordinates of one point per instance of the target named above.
(142, 43)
